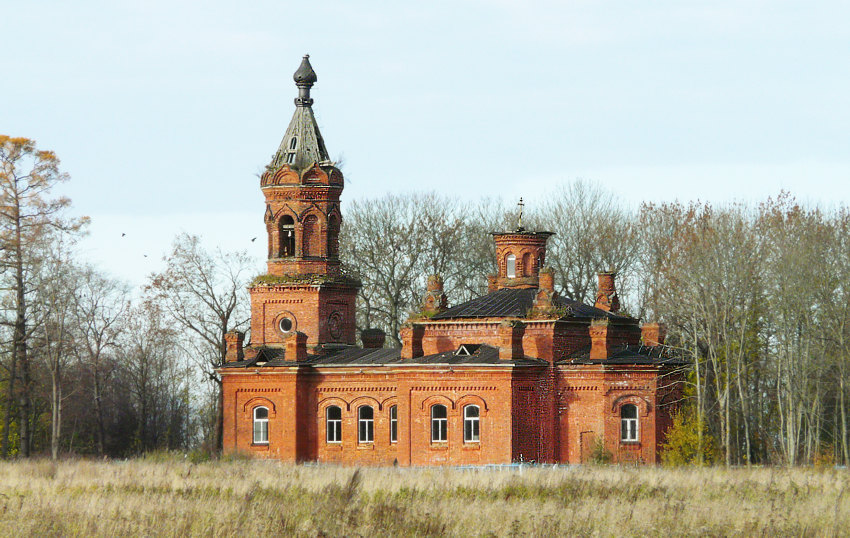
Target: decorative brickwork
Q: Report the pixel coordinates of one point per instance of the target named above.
(518, 375)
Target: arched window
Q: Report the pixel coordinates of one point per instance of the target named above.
(629, 423)
(261, 425)
(539, 262)
(439, 423)
(309, 232)
(393, 424)
(365, 424)
(333, 237)
(510, 266)
(333, 420)
(471, 415)
(526, 264)
(287, 236)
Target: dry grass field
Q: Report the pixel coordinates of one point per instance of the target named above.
(254, 498)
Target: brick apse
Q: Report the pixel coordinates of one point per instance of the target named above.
(520, 374)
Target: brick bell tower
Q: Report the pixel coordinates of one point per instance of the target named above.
(304, 290)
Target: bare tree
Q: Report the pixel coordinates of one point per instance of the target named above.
(206, 293)
(100, 309)
(55, 288)
(396, 241)
(152, 373)
(594, 232)
(382, 239)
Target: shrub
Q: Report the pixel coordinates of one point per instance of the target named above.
(600, 455)
(681, 446)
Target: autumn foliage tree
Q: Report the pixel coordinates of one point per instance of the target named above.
(27, 214)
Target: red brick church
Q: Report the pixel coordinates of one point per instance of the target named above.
(519, 374)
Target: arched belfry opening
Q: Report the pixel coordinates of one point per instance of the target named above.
(287, 237)
(510, 266)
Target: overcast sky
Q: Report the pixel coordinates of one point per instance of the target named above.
(164, 112)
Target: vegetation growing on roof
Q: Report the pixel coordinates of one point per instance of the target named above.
(549, 312)
(310, 279)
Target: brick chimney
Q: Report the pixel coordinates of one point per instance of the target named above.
(547, 279)
(233, 346)
(296, 347)
(546, 290)
(434, 300)
(411, 340)
(373, 338)
(652, 334)
(606, 296)
(600, 340)
(510, 339)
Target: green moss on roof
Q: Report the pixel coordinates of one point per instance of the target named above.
(277, 280)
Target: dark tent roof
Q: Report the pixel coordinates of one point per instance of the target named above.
(516, 303)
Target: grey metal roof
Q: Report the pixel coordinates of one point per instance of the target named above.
(309, 144)
(352, 356)
(484, 354)
(509, 302)
(645, 355)
(302, 144)
(355, 356)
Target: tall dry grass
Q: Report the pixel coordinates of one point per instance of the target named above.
(177, 498)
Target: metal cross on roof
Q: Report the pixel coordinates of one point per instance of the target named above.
(521, 205)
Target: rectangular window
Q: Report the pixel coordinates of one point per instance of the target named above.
(393, 424)
(261, 433)
(629, 429)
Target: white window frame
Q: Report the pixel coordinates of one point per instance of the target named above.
(629, 427)
(510, 266)
(471, 425)
(261, 426)
(439, 425)
(393, 424)
(365, 426)
(333, 426)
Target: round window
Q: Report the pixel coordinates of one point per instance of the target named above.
(285, 325)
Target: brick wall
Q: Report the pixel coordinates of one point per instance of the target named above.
(298, 433)
(324, 312)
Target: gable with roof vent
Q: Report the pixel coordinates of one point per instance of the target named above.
(466, 350)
